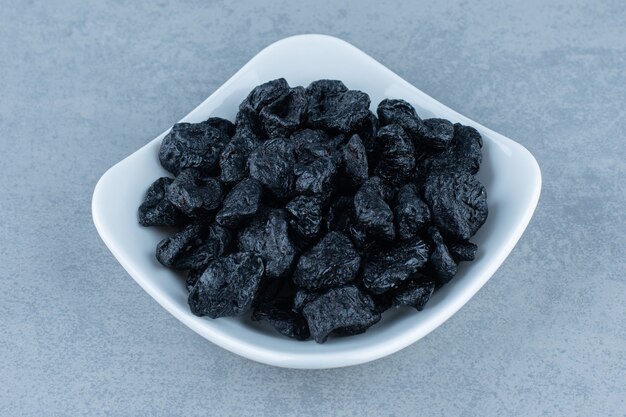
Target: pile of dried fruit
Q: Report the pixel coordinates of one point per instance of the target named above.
(313, 214)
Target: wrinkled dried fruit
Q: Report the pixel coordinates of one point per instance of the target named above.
(225, 126)
(192, 145)
(399, 112)
(241, 203)
(372, 211)
(462, 155)
(316, 178)
(302, 298)
(436, 133)
(458, 203)
(286, 321)
(386, 269)
(234, 158)
(340, 308)
(415, 294)
(211, 246)
(463, 251)
(170, 249)
(397, 159)
(285, 114)
(355, 161)
(310, 145)
(194, 193)
(342, 217)
(193, 276)
(410, 212)
(330, 105)
(156, 210)
(227, 286)
(444, 266)
(267, 236)
(331, 263)
(272, 165)
(312, 214)
(305, 216)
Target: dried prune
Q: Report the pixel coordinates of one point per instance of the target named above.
(241, 203)
(310, 145)
(342, 217)
(302, 298)
(316, 178)
(463, 251)
(227, 286)
(340, 308)
(368, 134)
(410, 212)
(225, 126)
(265, 94)
(156, 210)
(399, 112)
(444, 266)
(274, 304)
(305, 216)
(385, 269)
(458, 203)
(372, 211)
(267, 236)
(355, 161)
(330, 105)
(234, 158)
(194, 193)
(170, 249)
(462, 155)
(211, 246)
(334, 215)
(436, 133)
(284, 115)
(286, 321)
(193, 275)
(330, 263)
(272, 165)
(397, 159)
(192, 145)
(415, 294)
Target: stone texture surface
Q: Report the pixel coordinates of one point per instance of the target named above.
(85, 83)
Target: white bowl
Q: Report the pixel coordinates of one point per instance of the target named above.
(509, 172)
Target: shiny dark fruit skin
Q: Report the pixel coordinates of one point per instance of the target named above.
(241, 203)
(397, 158)
(313, 214)
(463, 251)
(331, 263)
(305, 216)
(442, 263)
(415, 294)
(372, 211)
(272, 164)
(340, 308)
(384, 270)
(227, 286)
(156, 209)
(192, 145)
(194, 193)
(458, 203)
(267, 235)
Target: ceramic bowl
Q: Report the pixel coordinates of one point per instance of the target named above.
(509, 172)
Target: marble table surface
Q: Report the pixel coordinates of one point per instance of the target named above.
(85, 83)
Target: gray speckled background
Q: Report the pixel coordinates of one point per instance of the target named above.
(83, 84)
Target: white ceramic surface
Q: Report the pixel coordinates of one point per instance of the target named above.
(510, 174)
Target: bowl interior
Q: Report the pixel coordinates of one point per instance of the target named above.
(510, 174)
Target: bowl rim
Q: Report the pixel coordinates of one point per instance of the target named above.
(322, 360)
